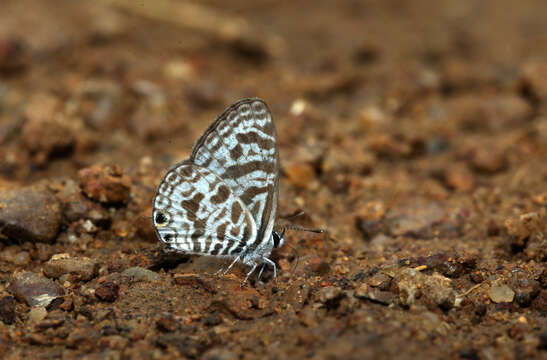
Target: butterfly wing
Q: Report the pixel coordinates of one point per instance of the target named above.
(197, 212)
(241, 148)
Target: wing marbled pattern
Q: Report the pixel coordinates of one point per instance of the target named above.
(222, 200)
(241, 148)
(204, 215)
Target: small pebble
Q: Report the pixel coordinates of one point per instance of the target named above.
(35, 289)
(380, 280)
(82, 338)
(37, 314)
(439, 289)
(12, 254)
(29, 214)
(525, 288)
(408, 284)
(105, 184)
(167, 323)
(107, 291)
(7, 308)
(329, 294)
(501, 293)
(142, 273)
(77, 269)
(488, 161)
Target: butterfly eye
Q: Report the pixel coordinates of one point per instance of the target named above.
(160, 219)
(278, 239)
(275, 239)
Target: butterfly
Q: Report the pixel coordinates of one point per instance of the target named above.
(222, 200)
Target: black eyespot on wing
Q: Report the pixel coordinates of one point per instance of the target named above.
(160, 218)
(168, 237)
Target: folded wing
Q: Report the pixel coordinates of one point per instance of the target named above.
(241, 148)
(195, 211)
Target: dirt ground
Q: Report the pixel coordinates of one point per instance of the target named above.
(414, 132)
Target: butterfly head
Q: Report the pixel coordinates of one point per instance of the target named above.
(278, 238)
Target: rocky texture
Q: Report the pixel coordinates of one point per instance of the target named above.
(524, 286)
(422, 219)
(535, 76)
(47, 133)
(107, 291)
(435, 289)
(29, 214)
(7, 308)
(105, 184)
(71, 269)
(34, 289)
(501, 293)
(439, 290)
(142, 274)
(418, 142)
(14, 255)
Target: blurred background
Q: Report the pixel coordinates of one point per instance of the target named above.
(414, 131)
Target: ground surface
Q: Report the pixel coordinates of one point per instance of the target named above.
(414, 131)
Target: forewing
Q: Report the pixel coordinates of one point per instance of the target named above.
(241, 148)
(195, 211)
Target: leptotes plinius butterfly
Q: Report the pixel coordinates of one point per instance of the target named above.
(222, 201)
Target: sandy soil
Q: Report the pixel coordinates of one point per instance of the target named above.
(415, 132)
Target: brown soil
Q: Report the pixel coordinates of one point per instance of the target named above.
(415, 132)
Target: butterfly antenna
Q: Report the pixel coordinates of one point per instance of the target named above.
(294, 227)
(325, 233)
(301, 228)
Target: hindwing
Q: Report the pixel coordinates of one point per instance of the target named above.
(197, 212)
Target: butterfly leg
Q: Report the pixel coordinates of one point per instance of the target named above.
(272, 264)
(220, 270)
(260, 272)
(231, 265)
(249, 274)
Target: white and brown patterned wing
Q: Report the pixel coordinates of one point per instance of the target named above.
(241, 148)
(195, 211)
